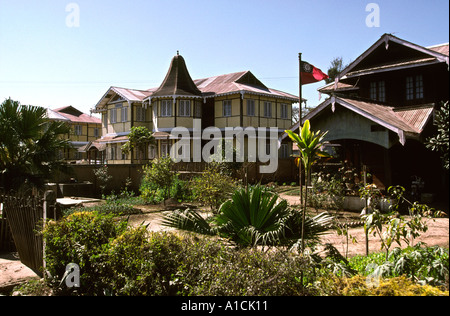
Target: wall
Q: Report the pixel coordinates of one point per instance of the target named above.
(287, 172)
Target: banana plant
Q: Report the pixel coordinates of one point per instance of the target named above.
(309, 144)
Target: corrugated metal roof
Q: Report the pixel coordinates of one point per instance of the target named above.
(441, 49)
(76, 116)
(416, 116)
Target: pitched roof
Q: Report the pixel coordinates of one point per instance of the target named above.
(392, 52)
(74, 115)
(243, 81)
(177, 81)
(404, 121)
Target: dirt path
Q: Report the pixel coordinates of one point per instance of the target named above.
(437, 234)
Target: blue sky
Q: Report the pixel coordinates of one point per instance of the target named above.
(45, 62)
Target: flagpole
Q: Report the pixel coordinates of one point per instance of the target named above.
(300, 125)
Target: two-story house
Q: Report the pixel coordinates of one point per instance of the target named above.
(84, 130)
(224, 101)
(380, 111)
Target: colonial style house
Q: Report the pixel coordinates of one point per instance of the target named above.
(380, 111)
(231, 100)
(85, 129)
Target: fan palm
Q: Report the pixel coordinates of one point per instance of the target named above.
(251, 217)
(30, 144)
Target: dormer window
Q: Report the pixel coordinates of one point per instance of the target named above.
(414, 87)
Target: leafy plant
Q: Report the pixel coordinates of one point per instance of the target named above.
(213, 186)
(440, 142)
(139, 137)
(252, 217)
(158, 174)
(309, 144)
(30, 145)
(103, 178)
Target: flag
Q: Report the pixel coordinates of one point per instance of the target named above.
(310, 74)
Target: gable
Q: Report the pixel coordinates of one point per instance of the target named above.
(249, 79)
(389, 52)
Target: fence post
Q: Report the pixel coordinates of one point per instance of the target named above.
(49, 201)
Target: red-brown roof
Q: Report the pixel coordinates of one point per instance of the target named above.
(76, 116)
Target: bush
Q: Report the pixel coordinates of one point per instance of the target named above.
(362, 286)
(81, 238)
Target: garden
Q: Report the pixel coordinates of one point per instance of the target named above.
(223, 237)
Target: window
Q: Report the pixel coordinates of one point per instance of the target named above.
(419, 87)
(373, 90)
(96, 132)
(227, 108)
(284, 111)
(112, 153)
(414, 87)
(140, 114)
(105, 120)
(165, 149)
(378, 91)
(184, 108)
(166, 108)
(78, 130)
(151, 151)
(113, 116)
(284, 151)
(197, 109)
(251, 107)
(124, 114)
(267, 109)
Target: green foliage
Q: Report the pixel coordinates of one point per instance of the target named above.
(118, 260)
(309, 143)
(358, 286)
(214, 186)
(138, 137)
(253, 217)
(103, 177)
(440, 142)
(157, 175)
(392, 227)
(30, 145)
(80, 238)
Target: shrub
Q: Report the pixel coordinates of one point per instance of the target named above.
(213, 187)
(80, 238)
(361, 286)
(157, 178)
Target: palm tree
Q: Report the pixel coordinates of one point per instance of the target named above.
(309, 144)
(251, 217)
(30, 145)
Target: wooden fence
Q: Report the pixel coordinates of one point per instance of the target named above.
(25, 217)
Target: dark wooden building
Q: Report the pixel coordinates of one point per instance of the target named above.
(380, 111)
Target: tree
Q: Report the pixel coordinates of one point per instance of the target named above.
(30, 145)
(159, 173)
(138, 138)
(309, 143)
(335, 69)
(440, 142)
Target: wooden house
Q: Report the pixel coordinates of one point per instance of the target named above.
(230, 100)
(379, 112)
